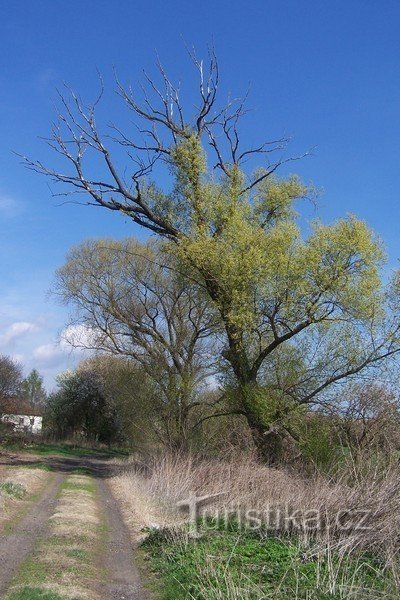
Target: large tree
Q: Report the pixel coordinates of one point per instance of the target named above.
(134, 303)
(313, 301)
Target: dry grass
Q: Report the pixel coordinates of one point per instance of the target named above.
(32, 480)
(359, 512)
(334, 549)
(150, 496)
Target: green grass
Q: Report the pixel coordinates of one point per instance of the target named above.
(33, 593)
(79, 487)
(77, 553)
(62, 449)
(238, 564)
(40, 465)
(33, 571)
(16, 490)
(82, 471)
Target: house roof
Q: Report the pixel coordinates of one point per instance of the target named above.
(19, 406)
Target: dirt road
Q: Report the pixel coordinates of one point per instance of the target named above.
(70, 538)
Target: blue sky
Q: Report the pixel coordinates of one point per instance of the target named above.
(326, 73)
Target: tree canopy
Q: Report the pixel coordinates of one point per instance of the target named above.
(10, 376)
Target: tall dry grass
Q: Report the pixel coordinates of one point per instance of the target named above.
(361, 509)
(358, 516)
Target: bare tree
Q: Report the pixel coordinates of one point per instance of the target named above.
(369, 418)
(160, 127)
(133, 303)
(10, 376)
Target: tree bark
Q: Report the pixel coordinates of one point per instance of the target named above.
(267, 437)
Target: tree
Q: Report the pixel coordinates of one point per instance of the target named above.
(133, 303)
(79, 407)
(369, 418)
(316, 299)
(32, 388)
(10, 376)
(130, 395)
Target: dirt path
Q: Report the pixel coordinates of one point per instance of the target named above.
(17, 545)
(122, 579)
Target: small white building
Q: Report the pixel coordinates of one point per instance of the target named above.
(20, 415)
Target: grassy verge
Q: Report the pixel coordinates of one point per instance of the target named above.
(19, 487)
(63, 449)
(65, 564)
(235, 564)
(15, 490)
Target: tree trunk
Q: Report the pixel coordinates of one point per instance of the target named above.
(267, 437)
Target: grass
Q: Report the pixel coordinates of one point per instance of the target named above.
(335, 556)
(232, 563)
(70, 449)
(78, 553)
(33, 593)
(40, 465)
(82, 471)
(88, 486)
(16, 490)
(34, 571)
(64, 449)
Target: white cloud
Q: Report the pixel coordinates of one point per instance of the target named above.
(16, 331)
(77, 336)
(9, 207)
(48, 355)
(30, 328)
(73, 339)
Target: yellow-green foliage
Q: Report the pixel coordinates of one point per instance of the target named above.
(249, 243)
(189, 160)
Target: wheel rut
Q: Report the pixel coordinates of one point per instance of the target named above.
(16, 546)
(123, 578)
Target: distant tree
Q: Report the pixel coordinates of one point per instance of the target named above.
(133, 303)
(369, 418)
(277, 290)
(132, 396)
(10, 376)
(79, 407)
(32, 388)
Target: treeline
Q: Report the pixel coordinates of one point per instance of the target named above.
(112, 400)
(13, 384)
